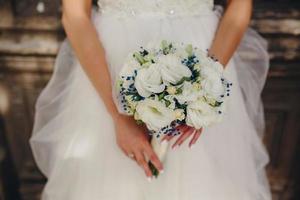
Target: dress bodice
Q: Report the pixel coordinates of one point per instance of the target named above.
(156, 7)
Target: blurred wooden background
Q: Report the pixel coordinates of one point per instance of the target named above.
(30, 35)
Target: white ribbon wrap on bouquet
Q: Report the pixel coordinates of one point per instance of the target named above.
(160, 148)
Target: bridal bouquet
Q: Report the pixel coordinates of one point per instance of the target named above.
(168, 84)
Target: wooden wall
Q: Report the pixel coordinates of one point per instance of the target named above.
(30, 34)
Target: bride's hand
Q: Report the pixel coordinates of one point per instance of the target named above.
(185, 132)
(133, 139)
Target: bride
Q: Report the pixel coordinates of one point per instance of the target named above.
(89, 150)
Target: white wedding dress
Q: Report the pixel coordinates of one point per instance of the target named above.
(73, 139)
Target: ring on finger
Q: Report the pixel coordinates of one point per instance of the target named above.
(130, 155)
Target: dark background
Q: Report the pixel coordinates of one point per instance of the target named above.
(30, 38)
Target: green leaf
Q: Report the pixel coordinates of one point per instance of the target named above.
(164, 44)
(161, 96)
(139, 122)
(179, 90)
(146, 64)
(182, 80)
(166, 47)
(139, 58)
(153, 169)
(189, 50)
(218, 103)
(167, 102)
(118, 84)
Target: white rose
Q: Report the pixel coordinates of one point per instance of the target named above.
(211, 81)
(179, 114)
(171, 68)
(148, 80)
(171, 89)
(200, 114)
(213, 87)
(154, 114)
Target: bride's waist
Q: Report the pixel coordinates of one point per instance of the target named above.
(156, 10)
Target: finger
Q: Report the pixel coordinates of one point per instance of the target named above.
(151, 155)
(195, 137)
(182, 128)
(183, 137)
(167, 137)
(188, 133)
(179, 131)
(140, 159)
(131, 156)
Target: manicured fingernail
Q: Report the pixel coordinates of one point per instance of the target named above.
(175, 147)
(191, 146)
(162, 171)
(149, 179)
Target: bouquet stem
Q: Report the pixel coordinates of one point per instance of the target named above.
(155, 172)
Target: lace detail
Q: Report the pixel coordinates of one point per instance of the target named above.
(123, 8)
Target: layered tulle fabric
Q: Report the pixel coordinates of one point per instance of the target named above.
(73, 139)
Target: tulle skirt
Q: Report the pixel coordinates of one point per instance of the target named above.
(73, 139)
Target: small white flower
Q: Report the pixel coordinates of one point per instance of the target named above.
(171, 68)
(197, 67)
(200, 114)
(171, 89)
(196, 86)
(148, 81)
(179, 114)
(154, 114)
(131, 103)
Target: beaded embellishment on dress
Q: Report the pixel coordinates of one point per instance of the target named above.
(154, 7)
